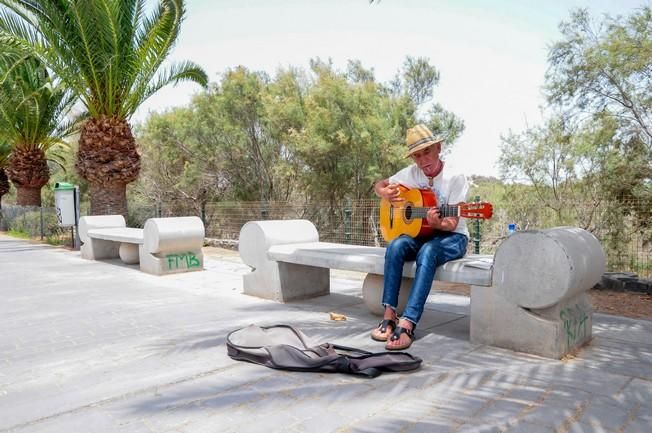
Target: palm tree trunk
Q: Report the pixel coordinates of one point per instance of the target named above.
(108, 199)
(28, 171)
(107, 158)
(28, 196)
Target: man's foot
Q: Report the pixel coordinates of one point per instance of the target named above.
(384, 330)
(402, 337)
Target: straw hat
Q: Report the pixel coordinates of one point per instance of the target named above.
(419, 138)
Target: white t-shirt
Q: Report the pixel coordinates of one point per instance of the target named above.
(449, 187)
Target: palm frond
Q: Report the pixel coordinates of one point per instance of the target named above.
(5, 150)
(109, 52)
(33, 106)
(174, 74)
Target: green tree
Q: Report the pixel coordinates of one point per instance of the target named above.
(600, 75)
(110, 54)
(604, 69)
(416, 81)
(170, 143)
(33, 107)
(542, 157)
(237, 125)
(351, 134)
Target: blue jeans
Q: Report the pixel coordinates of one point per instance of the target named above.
(429, 253)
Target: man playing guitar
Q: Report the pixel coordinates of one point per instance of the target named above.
(447, 242)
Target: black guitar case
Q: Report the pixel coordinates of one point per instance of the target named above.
(284, 347)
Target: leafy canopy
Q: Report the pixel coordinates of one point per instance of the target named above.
(109, 52)
(33, 107)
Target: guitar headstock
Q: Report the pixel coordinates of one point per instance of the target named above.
(479, 210)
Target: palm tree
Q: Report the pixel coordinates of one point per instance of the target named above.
(32, 111)
(5, 149)
(109, 52)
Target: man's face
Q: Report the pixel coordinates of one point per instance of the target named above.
(428, 159)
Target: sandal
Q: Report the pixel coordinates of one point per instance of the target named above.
(397, 336)
(382, 327)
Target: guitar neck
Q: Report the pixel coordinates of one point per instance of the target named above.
(445, 210)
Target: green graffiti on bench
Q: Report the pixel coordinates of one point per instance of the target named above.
(575, 322)
(177, 261)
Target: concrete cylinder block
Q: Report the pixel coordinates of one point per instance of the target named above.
(163, 235)
(538, 268)
(372, 294)
(257, 236)
(87, 223)
(129, 253)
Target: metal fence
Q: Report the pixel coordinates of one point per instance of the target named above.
(628, 247)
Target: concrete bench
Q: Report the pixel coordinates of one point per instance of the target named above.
(532, 297)
(163, 246)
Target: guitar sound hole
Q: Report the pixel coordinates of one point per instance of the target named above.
(408, 212)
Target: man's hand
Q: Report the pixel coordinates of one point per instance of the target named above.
(391, 192)
(434, 218)
(446, 224)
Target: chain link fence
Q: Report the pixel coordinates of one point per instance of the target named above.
(628, 244)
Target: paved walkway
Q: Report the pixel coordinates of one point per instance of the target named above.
(94, 347)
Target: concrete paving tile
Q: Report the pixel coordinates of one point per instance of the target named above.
(604, 416)
(83, 421)
(638, 391)
(435, 426)
(525, 394)
(457, 328)
(482, 428)
(622, 329)
(580, 427)
(432, 320)
(638, 426)
(501, 410)
(380, 423)
(549, 416)
(527, 427)
(322, 422)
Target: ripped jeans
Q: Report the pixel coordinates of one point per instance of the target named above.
(429, 253)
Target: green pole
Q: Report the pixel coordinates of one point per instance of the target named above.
(347, 221)
(478, 235)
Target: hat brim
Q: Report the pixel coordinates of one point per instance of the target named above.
(424, 145)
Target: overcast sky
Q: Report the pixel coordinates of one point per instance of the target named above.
(491, 53)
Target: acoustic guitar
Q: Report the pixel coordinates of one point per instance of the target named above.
(408, 216)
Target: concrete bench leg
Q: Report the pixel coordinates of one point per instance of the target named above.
(302, 282)
(98, 249)
(172, 245)
(284, 282)
(551, 332)
(372, 293)
(170, 262)
(280, 281)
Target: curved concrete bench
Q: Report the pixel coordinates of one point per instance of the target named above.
(163, 246)
(107, 236)
(539, 301)
(290, 263)
(532, 299)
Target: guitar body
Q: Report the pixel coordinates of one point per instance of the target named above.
(408, 216)
(396, 218)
